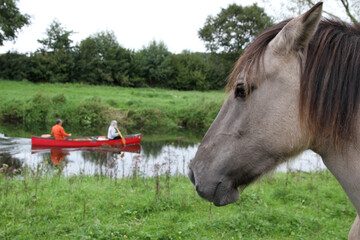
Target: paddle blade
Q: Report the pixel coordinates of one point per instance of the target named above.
(122, 138)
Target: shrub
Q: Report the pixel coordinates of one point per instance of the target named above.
(91, 113)
(59, 99)
(148, 119)
(13, 66)
(112, 102)
(199, 116)
(37, 109)
(12, 110)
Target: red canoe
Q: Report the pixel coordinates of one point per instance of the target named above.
(85, 141)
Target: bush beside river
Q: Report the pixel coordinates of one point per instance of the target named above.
(296, 205)
(92, 107)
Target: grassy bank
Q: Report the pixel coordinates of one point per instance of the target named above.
(88, 106)
(281, 206)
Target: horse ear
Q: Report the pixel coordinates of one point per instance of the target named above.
(297, 33)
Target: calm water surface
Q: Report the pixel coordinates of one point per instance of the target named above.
(145, 159)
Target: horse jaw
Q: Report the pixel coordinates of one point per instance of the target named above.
(217, 172)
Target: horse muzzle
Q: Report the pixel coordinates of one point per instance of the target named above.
(220, 193)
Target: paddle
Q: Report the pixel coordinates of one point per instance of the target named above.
(122, 138)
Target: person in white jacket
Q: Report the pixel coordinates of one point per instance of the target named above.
(112, 133)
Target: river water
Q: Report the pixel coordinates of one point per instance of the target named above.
(145, 159)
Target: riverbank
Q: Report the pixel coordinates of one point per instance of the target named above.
(280, 206)
(88, 107)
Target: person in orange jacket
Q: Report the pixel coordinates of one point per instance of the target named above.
(58, 131)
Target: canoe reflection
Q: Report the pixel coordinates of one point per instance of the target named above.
(135, 148)
(58, 154)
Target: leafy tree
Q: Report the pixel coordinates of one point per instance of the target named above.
(39, 69)
(220, 68)
(13, 66)
(190, 72)
(55, 61)
(156, 64)
(136, 70)
(91, 56)
(57, 38)
(101, 60)
(233, 29)
(11, 20)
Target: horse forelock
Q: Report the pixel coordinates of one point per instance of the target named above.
(329, 81)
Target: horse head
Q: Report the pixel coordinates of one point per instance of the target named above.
(258, 126)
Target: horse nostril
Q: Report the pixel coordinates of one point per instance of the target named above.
(191, 176)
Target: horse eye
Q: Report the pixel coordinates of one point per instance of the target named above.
(240, 91)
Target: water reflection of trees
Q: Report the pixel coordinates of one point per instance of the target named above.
(12, 162)
(154, 149)
(101, 158)
(7, 149)
(106, 162)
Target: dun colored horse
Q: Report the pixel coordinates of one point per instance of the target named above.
(296, 87)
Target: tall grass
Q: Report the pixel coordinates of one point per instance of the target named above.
(41, 206)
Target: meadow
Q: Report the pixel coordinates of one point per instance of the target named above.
(89, 106)
(36, 204)
(295, 205)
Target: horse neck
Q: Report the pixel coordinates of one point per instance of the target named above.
(345, 166)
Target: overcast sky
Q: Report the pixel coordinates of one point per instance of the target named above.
(134, 22)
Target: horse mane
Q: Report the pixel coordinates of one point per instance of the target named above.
(329, 81)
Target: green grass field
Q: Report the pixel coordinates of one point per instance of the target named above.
(122, 98)
(85, 105)
(279, 206)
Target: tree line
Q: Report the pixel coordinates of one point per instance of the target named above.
(100, 59)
